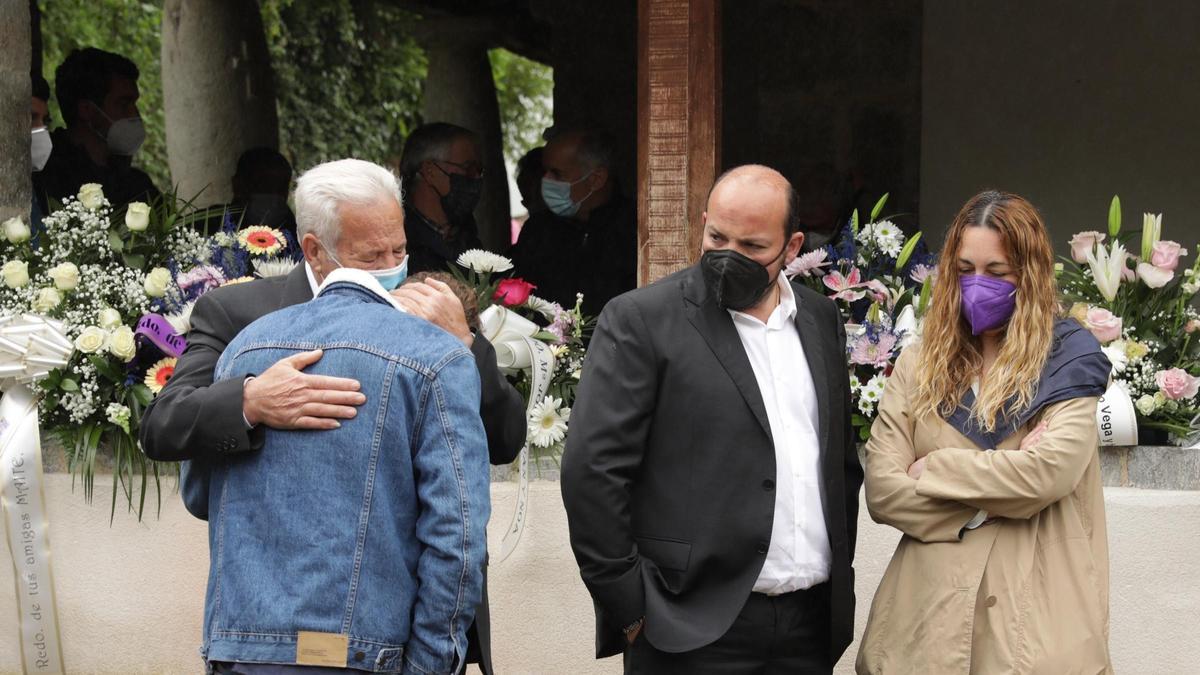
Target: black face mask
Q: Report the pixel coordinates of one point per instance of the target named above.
(735, 281)
(462, 198)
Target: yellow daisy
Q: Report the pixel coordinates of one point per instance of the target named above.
(261, 240)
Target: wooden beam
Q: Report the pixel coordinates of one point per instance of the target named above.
(679, 129)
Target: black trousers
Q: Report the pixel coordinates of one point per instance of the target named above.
(772, 635)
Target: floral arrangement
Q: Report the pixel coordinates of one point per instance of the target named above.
(566, 331)
(880, 279)
(1140, 306)
(101, 272)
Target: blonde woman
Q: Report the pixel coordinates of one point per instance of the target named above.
(985, 456)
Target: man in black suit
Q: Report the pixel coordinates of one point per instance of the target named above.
(194, 418)
(710, 477)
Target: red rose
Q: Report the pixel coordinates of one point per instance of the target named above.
(513, 292)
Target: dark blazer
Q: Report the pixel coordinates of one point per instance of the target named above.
(668, 476)
(195, 418)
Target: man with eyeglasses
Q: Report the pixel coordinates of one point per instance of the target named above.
(443, 179)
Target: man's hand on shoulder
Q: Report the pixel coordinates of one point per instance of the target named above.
(284, 397)
(435, 302)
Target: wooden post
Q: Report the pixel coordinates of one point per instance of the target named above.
(679, 129)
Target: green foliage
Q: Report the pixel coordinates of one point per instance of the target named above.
(127, 27)
(348, 73)
(524, 90)
(348, 76)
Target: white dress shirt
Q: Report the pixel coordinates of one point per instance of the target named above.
(799, 555)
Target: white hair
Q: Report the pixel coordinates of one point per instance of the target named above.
(325, 187)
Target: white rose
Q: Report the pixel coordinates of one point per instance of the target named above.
(121, 343)
(15, 230)
(91, 195)
(16, 273)
(157, 281)
(91, 340)
(65, 276)
(137, 216)
(47, 299)
(109, 318)
(1147, 405)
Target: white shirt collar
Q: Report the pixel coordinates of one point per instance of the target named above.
(355, 276)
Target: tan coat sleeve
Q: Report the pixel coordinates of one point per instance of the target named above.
(1018, 483)
(892, 497)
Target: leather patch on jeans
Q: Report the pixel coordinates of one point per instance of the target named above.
(321, 649)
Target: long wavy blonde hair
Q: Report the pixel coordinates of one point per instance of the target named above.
(950, 357)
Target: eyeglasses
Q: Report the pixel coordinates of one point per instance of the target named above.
(470, 169)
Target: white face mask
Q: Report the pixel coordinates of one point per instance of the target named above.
(40, 146)
(125, 135)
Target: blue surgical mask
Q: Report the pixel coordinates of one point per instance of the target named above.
(557, 195)
(390, 278)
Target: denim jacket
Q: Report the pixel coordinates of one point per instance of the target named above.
(373, 531)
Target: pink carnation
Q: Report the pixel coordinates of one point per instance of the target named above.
(868, 352)
(1176, 384)
(205, 278)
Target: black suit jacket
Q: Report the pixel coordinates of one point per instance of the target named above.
(194, 418)
(668, 476)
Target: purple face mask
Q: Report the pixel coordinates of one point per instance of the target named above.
(987, 302)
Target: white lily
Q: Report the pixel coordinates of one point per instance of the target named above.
(1106, 268)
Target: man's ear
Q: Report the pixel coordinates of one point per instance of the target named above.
(598, 179)
(311, 248)
(795, 242)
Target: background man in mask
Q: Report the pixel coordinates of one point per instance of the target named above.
(97, 96)
(586, 241)
(711, 479)
(40, 144)
(261, 183)
(443, 181)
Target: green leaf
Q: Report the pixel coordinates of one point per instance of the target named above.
(1114, 216)
(115, 242)
(142, 394)
(68, 384)
(106, 368)
(875, 211)
(926, 291)
(854, 222)
(134, 260)
(906, 252)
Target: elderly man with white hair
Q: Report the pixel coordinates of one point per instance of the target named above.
(348, 214)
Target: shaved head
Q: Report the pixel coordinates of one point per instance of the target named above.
(762, 182)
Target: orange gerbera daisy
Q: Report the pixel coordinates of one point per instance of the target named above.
(261, 240)
(160, 373)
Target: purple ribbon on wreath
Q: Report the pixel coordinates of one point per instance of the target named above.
(156, 329)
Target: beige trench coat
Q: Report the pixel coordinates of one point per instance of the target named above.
(1026, 593)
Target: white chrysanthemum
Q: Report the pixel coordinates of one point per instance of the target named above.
(273, 267)
(543, 306)
(181, 321)
(883, 235)
(548, 422)
(484, 262)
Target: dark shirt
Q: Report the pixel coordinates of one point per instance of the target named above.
(565, 256)
(70, 167)
(428, 249)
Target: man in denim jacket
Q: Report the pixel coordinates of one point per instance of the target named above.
(371, 562)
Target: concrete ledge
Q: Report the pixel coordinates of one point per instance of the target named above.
(1151, 467)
